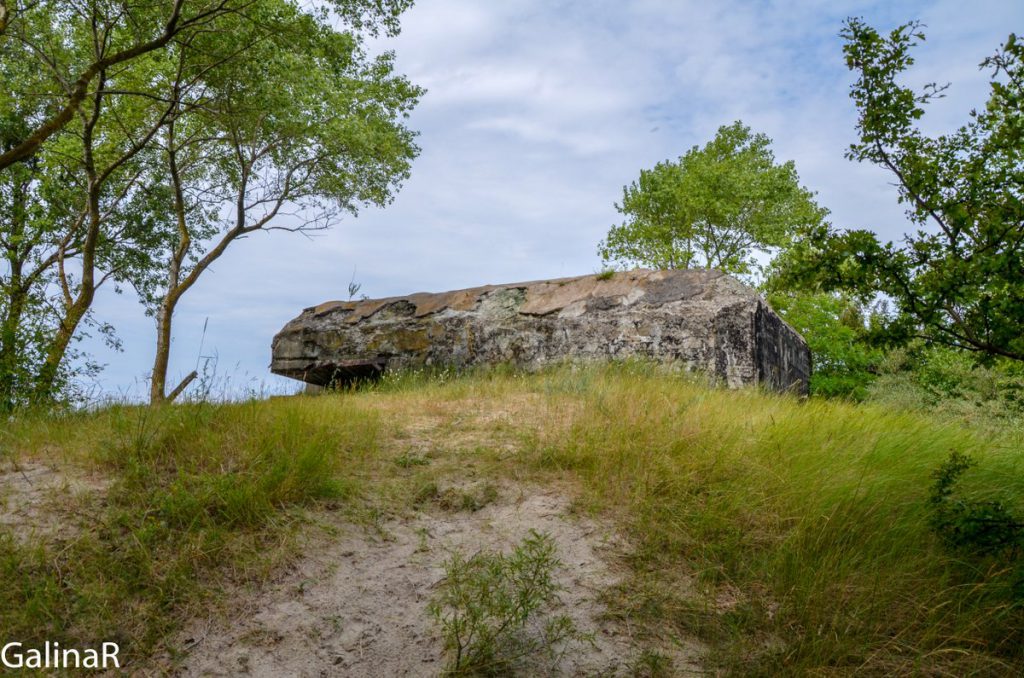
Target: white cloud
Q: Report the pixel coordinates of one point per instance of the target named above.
(538, 112)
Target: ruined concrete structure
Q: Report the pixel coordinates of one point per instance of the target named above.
(702, 319)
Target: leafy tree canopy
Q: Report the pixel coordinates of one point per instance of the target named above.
(839, 331)
(958, 279)
(137, 141)
(716, 207)
(119, 34)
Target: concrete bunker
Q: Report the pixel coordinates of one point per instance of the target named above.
(703, 319)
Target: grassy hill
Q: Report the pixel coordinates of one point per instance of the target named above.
(788, 536)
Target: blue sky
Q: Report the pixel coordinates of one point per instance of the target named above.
(537, 113)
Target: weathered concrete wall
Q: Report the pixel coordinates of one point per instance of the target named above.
(703, 319)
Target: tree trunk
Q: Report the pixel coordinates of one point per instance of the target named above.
(10, 324)
(10, 357)
(46, 381)
(158, 380)
(76, 307)
(165, 314)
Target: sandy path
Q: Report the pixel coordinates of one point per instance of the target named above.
(356, 605)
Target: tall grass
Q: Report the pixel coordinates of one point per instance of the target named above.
(804, 526)
(792, 536)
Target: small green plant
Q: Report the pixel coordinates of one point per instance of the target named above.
(606, 274)
(469, 499)
(408, 460)
(651, 664)
(488, 606)
(423, 535)
(425, 493)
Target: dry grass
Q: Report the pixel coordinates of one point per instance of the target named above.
(791, 536)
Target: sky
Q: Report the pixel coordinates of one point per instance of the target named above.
(537, 113)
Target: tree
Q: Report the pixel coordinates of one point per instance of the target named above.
(66, 225)
(23, 276)
(716, 207)
(958, 279)
(296, 127)
(838, 330)
(90, 201)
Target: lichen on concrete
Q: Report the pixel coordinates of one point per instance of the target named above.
(703, 319)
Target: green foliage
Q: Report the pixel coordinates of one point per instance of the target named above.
(759, 517)
(471, 499)
(837, 332)
(950, 383)
(958, 279)
(487, 603)
(715, 207)
(180, 137)
(38, 211)
(651, 664)
(981, 527)
(986, 532)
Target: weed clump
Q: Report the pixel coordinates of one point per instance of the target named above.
(488, 607)
(985, 527)
(470, 500)
(651, 664)
(455, 499)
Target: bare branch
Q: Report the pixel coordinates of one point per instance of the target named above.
(182, 386)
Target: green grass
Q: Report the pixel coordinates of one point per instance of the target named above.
(802, 526)
(791, 536)
(201, 496)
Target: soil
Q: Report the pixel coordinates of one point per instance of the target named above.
(356, 605)
(40, 502)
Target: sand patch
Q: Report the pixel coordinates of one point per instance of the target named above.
(40, 501)
(356, 605)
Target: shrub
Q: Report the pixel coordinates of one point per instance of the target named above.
(952, 384)
(488, 602)
(976, 527)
